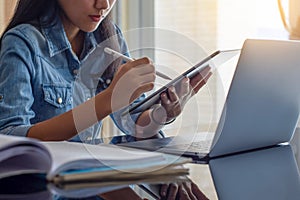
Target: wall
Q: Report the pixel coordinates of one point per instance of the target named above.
(6, 11)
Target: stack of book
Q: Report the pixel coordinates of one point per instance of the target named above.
(71, 166)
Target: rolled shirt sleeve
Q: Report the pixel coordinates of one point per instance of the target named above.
(15, 85)
(127, 122)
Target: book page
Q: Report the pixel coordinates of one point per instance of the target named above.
(21, 155)
(72, 156)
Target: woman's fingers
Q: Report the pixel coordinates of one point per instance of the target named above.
(197, 192)
(164, 190)
(174, 99)
(183, 191)
(199, 80)
(185, 88)
(131, 81)
(172, 109)
(200, 76)
(188, 188)
(183, 194)
(172, 94)
(146, 78)
(201, 83)
(172, 191)
(165, 101)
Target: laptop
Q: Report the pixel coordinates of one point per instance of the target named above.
(261, 108)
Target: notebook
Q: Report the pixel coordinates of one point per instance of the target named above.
(261, 108)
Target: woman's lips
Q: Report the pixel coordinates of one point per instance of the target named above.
(95, 18)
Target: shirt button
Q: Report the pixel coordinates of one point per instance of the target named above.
(59, 100)
(75, 71)
(1, 97)
(108, 81)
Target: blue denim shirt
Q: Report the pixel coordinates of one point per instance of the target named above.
(40, 77)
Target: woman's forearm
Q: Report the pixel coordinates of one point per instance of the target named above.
(67, 125)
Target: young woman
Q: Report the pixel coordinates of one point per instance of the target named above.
(42, 51)
(48, 47)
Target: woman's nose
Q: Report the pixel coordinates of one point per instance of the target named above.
(102, 4)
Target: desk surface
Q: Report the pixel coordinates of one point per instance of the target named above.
(250, 176)
(266, 174)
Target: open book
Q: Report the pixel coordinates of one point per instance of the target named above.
(75, 165)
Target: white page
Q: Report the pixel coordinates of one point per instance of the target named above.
(72, 155)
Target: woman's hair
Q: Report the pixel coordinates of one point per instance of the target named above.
(29, 11)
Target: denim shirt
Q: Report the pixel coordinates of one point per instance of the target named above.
(40, 77)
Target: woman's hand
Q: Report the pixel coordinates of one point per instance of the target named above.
(171, 105)
(131, 81)
(183, 191)
(121, 194)
(173, 101)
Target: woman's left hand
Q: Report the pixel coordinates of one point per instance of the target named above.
(183, 191)
(173, 101)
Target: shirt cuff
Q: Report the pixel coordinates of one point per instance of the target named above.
(16, 130)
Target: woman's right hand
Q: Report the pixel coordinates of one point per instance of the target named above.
(130, 81)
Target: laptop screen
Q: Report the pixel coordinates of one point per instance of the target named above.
(262, 105)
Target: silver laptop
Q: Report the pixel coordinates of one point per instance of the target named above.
(261, 109)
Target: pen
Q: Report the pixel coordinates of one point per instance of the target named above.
(126, 58)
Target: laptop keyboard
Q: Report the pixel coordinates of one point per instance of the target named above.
(200, 146)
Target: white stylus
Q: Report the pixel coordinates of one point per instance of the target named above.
(126, 58)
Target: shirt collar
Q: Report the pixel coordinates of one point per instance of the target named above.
(89, 44)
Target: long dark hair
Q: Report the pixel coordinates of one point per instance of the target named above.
(29, 11)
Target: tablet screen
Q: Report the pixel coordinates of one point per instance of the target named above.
(217, 57)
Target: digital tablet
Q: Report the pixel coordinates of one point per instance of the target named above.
(218, 57)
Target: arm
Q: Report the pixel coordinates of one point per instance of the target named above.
(131, 80)
(67, 125)
(21, 67)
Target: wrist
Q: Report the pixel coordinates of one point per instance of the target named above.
(159, 116)
(103, 104)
